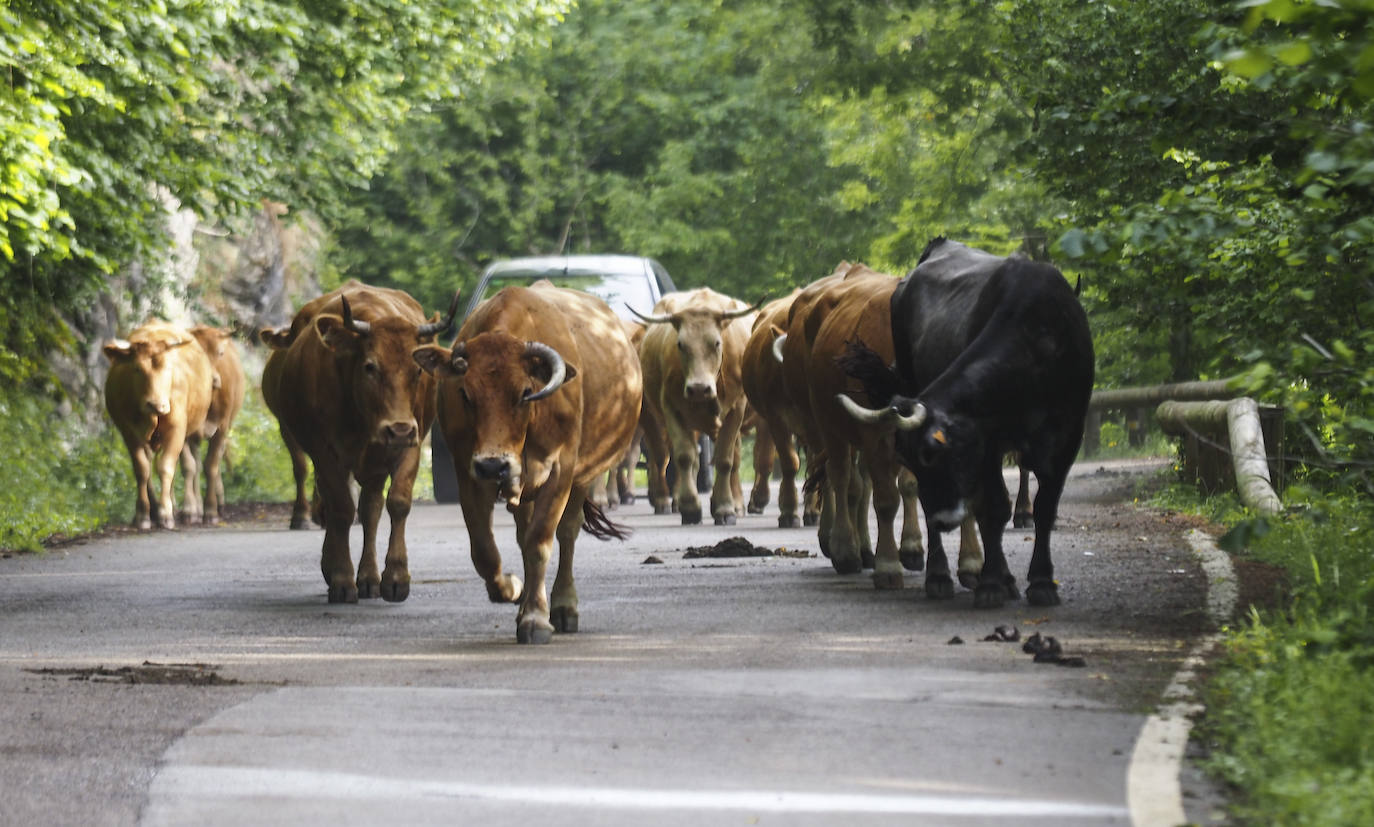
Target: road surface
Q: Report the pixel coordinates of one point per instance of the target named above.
(200, 677)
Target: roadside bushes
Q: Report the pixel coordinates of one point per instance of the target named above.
(58, 480)
(1289, 717)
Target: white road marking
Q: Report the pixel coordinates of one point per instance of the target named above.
(181, 782)
(1153, 792)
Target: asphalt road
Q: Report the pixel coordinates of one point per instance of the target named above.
(200, 677)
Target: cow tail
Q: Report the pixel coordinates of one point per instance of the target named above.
(596, 523)
(816, 479)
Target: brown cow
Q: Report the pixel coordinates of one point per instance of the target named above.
(537, 400)
(761, 376)
(157, 392)
(691, 359)
(225, 403)
(852, 305)
(346, 393)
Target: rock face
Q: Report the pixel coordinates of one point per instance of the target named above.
(246, 274)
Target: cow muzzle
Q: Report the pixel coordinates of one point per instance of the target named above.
(400, 432)
(701, 390)
(501, 470)
(949, 519)
(158, 407)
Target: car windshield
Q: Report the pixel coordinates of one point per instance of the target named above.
(616, 289)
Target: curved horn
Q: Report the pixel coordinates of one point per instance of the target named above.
(444, 326)
(744, 311)
(867, 416)
(560, 369)
(910, 421)
(777, 349)
(651, 319)
(356, 325)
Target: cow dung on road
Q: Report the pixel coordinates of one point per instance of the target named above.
(740, 547)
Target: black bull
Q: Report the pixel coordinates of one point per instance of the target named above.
(992, 355)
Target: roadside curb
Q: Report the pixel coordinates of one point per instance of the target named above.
(1154, 795)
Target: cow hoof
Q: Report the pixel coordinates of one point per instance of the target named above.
(867, 559)
(969, 580)
(143, 525)
(887, 581)
(564, 619)
(691, 519)
(531, 633)
(939, 587)
(1042, 594)
(810, 520)
(754, 509)
(913, 560)
(789, 521)
(301, 524)
(505, 589)
(343, 594)
(1014, 593)
(1023, 521)
(627, 499)
(395, 592)
(989, 597)
(850, 565)
(369, 591)
(726, 519)
(663, 509)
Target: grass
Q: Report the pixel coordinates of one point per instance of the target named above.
(1289, 721)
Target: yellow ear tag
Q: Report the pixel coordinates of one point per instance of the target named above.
(939, 436)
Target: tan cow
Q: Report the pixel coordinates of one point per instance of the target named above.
(346, 393)
(761, 376)
(225, 403)
(538, 399)
(158, 392)
(691, 359)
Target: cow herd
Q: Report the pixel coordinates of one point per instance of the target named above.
(894, 391)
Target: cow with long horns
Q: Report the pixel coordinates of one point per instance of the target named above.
(346, 394)
(538, 399)
(992, 355)
(691, 358)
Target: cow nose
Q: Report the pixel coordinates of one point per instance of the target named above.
(491, 468)
(701, 390)
(401, 431)
(160, 407)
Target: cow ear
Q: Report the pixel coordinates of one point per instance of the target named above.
(334, 333)
(277, 338)
(434, 360)
(118, 349)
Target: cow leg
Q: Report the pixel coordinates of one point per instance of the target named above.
(910, 551)
(152, 490)
(1040, 588)
(812, 503)
(214, 483)
(1022, 516)
(887, 568)
(788, 463)
(970, 554)
(395, 584)
(532, 622)
(727, 498)
(625, 472)
(657, 452)
(683, 442)
(192, 506)
(369, 579)
(300, 509)
(477, 503)
(759, 495)
(563, 599)
(166, 470)
(736, 486)
(844, 540)
(338, 510)
(939, 585)
(995, 583)
(860, 499)
(140, 458)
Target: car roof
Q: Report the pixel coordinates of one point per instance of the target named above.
(533, 268)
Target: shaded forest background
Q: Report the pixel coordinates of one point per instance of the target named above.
(1206, 167)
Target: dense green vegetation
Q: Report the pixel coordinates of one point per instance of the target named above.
(1208, 168)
